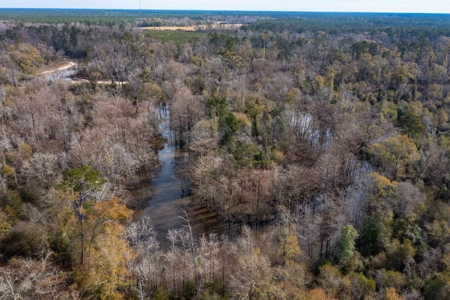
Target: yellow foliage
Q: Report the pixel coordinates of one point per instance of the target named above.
(293, 278)
(10, 214)
(403, 73)
(389, 278)
(383, 186)
(400, 254)
(292, 274)
(254, 106)
(206, 129)
(293, 95)
(438, 230)
(110, 157)
(160, 294)
(398, 153)
(366, 57)
(8, 171)
(153, 90)
(389, 110)
(25, 151)
(3, 75)
(95, 75)
(4, 224)
(391, 294)
(442, 117)
(253, 276)
(319, 83)
(27, 57)
(360, 286)
(444, 142)
(111, 211)
(242, 117)
(416, 107)
(105, 270)
(316, 294)
(197, 61)
(290, 249)
(331, 279)
(277, 156)
(62, 211)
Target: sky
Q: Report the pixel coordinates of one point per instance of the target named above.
(418, 6)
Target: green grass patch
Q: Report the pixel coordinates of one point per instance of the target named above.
(177, 36)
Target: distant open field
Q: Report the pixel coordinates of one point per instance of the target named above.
(177, 36)
(194, 28)
(171, 28)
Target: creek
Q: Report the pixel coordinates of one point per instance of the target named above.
(168, 193)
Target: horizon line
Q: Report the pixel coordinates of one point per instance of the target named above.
(231, 10)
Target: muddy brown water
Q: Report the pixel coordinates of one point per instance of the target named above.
(167, 195)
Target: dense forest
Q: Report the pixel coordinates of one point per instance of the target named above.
(328, 132)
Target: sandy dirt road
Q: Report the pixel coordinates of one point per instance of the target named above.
(58, 67)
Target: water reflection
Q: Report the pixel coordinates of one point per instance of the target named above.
(60, 75)
(170, 193)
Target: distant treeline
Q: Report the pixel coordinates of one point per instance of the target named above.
(119, 16)
(431, 25)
